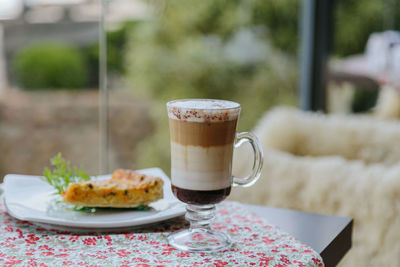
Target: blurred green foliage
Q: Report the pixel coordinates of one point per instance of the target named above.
(50, 66)
(116, 41)
(355, 20)
(282, 20)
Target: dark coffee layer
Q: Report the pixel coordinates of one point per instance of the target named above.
(202, 133)
(197, 197)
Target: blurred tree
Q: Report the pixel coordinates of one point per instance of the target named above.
(282, 20)
(208, 49)
(355, 20)
(50, 66)
(116, 41)
(219, 51)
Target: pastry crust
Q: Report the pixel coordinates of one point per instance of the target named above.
(125, 189)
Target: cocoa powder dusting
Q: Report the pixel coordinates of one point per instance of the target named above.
(206, 115)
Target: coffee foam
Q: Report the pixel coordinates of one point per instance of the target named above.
(201, 110)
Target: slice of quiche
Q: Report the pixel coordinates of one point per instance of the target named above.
(125, 189)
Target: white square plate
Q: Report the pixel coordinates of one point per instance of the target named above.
(29, 198)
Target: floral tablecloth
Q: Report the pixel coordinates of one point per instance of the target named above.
(257, 243)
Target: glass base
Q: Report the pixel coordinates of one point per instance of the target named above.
(199, 237)
(199, 240)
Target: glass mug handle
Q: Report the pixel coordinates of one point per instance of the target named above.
(255, 173)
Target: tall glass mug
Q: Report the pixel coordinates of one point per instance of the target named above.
(203, 136)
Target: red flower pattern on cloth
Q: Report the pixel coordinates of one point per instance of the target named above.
(257, 243)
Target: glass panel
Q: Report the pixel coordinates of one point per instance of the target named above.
(238, 50)
(127, 118)
(48, 84)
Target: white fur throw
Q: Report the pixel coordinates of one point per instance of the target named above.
(333, 184)
(312, 134)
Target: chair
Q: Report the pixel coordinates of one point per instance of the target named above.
(339, 165)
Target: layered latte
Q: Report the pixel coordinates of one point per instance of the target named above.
(202, 140)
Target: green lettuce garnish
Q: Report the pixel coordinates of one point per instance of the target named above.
(61, 175)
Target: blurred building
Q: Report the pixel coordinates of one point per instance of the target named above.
(23, 22)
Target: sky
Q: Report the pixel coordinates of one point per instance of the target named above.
(11, 8)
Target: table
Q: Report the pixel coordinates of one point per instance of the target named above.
(328, 235)
(257, 243)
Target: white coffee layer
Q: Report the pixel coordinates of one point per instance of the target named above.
(201, 168)
(200, 110)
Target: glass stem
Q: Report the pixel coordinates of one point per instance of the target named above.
(200, 217)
